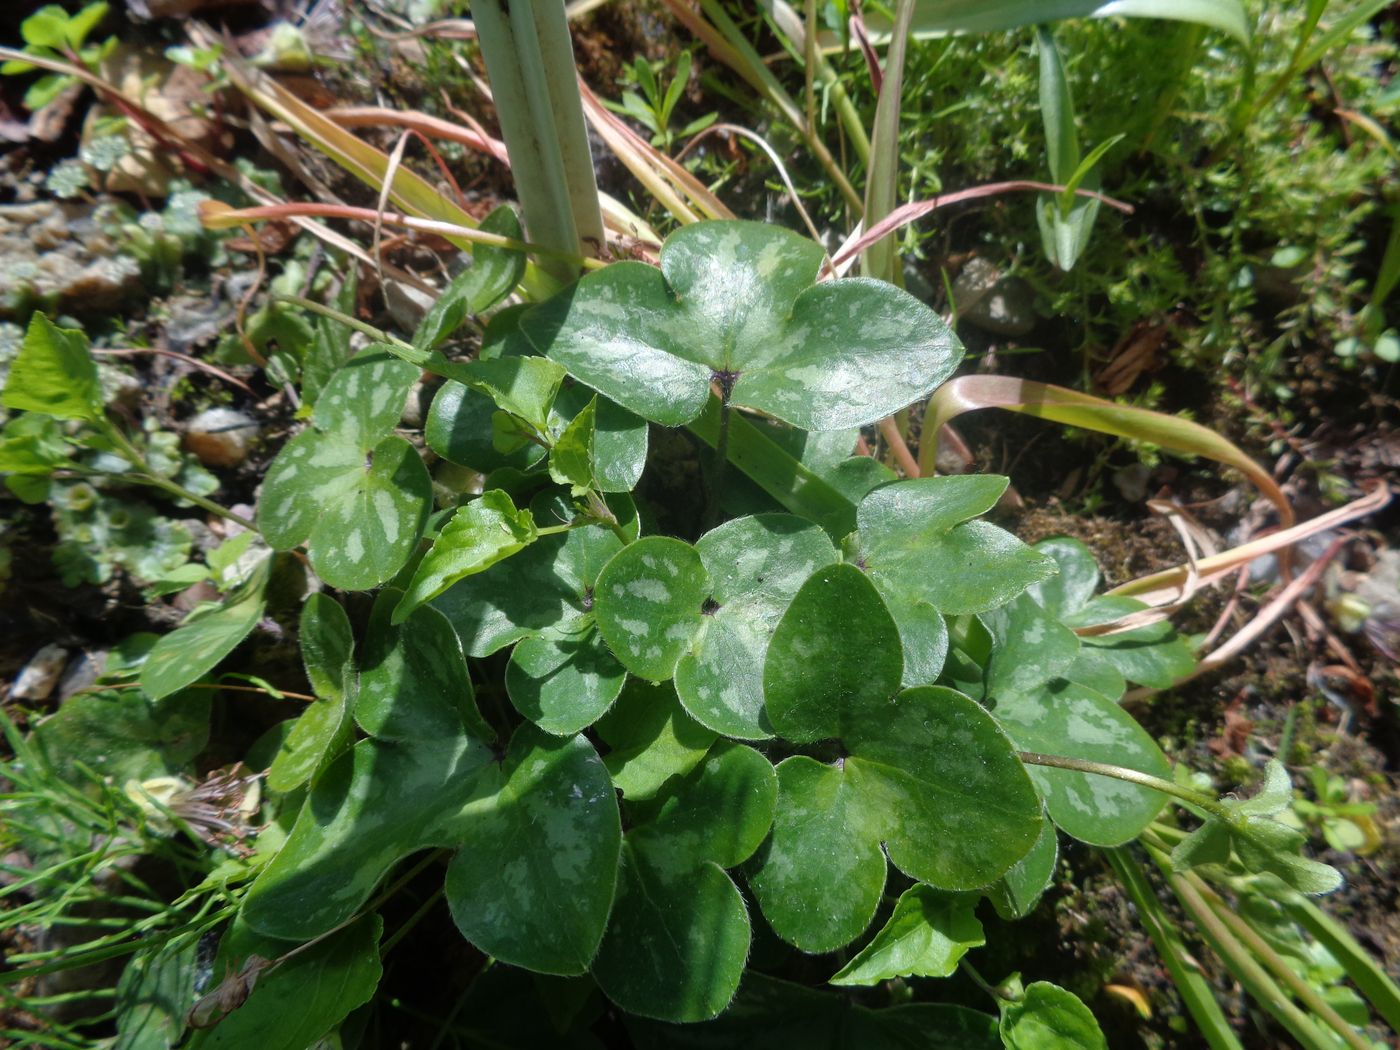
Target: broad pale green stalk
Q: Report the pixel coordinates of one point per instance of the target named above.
(530, 62)
(882, 184)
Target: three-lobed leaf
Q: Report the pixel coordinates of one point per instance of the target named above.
(736, 301)
(356, 496)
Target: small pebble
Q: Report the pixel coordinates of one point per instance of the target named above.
(221, 437)
(41, 674)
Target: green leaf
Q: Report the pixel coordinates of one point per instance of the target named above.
(679, 933)
(1154, 655)
(327, 645)
(926, 767)
(755, 565)
(123, 735)
(736, 300)
(1049, 1018)
(565, 678)
(327, 648)
(1029, 649)
(769, 1014)
(414, 684)
(926, 935)
(303, 999)
(356, 498)
(942, 17)
(523, 386)
(364, 399)
(926, 557)
(46, 27)
(54, 374)
(535, 884)
(330, 347)
(491, 277)
(834, 658)
(154, 994)
(1071, 720)
(649, 604)
(83, 23)
(571, 458)
(547, 586)
(199, 645)
(820, 876)
(1016, 894)
(477, 536)
(652, 739)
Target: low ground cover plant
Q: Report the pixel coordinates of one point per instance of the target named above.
(641, 707)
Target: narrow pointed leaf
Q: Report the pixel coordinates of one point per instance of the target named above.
(926, 935)
(485, 531)
(491, 277)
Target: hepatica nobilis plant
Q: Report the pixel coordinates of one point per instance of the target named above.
(841, 689)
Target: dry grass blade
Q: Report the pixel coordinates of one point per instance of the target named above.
(427, 126)
(682, 194)
(860, 239)
(1072, 408)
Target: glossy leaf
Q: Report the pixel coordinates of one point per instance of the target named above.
(477, 536)
(926, 935)
(755, 565)
(1153, 655)
(534, 885)
(679, 933)
(327, 648)
(820, 876)
(1068, 719)
(493, 274)
(926, 767)
(153, 996)
(197, 646)
(927, 557)
(652, 739)
(571, 458)
(547, 586)
(355, 497)
(769, 1014)
(1016, 894)
(649, 603)
(295, 1004)
(737, 299)
(459, 424)
(564, 679)
(1049, 1018)
(413, 682)
(54, 374)
(1030, 648)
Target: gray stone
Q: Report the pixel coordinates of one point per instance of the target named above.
(996, 304)
(221, 437)
(38, 678)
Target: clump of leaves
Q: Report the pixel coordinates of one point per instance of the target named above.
(607, 744)
(53, 33)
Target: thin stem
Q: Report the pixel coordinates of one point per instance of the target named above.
(1246, 969)
(409, 923)
(377, 334)
(133, 455)
(999, 994)
(717, 480)
(1304, 991)
(1132, 776)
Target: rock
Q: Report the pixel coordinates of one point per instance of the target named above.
(996, 304)
(1131, 481)
(221, 437)
(82, 673)
(38, 678)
